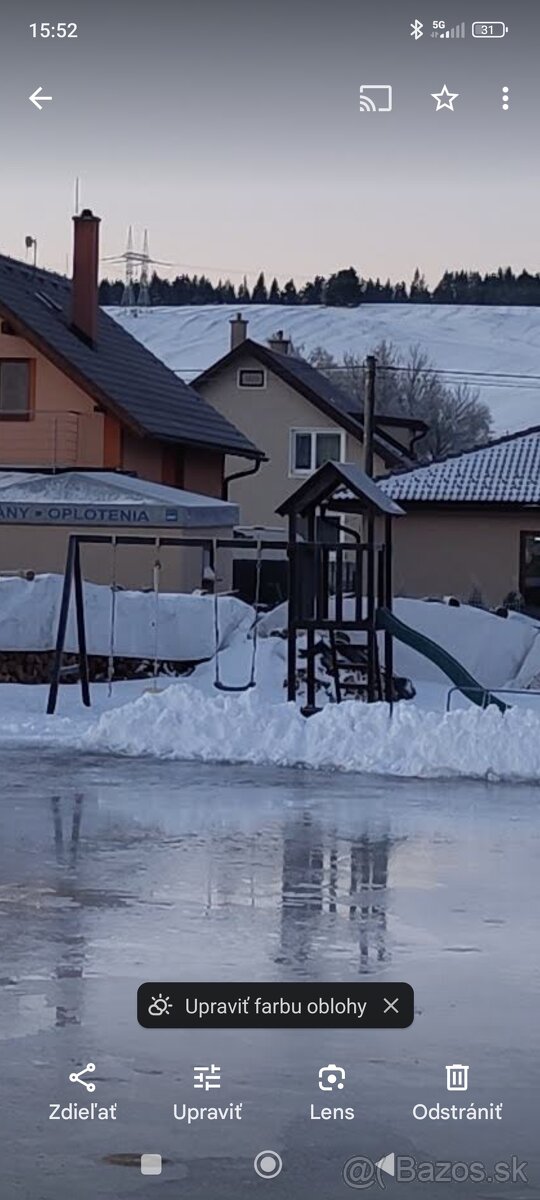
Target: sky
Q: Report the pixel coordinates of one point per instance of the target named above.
(233, 132)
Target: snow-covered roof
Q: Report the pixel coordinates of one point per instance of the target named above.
(95, 496)
(507, 471)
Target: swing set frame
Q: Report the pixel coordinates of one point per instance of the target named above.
(315, 602)
(74, 585)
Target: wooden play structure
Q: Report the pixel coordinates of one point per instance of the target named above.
(344, 587)
(338, 587)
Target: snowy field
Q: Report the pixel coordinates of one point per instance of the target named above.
(459, 338)
(189, 720)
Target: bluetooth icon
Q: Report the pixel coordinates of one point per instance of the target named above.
(417, 30)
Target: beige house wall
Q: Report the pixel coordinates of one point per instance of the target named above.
(267, 416)
(64, 428)
(449, 553)
(43, 549)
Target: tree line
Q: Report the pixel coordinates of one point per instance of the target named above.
(344, 289)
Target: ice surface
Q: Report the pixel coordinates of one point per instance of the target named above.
(114, 870)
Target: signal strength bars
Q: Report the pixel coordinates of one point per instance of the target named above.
(457, 31)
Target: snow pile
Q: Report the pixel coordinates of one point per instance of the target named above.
(470, 338)
(528, 675)
(29, 613)
(192, 721)
(491, 648)
(183, 723)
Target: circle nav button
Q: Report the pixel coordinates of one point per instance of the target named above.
(268, 1164)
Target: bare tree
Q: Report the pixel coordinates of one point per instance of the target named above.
(412, 387)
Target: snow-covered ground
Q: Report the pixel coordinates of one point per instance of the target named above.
(462, 338)
(190, 720)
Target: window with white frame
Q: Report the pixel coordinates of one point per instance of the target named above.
(310, 448)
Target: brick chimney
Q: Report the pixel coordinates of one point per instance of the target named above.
(84, 287)
(280, 343)
(238, 330)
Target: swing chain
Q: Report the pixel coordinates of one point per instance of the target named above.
(156, 586)
(112, 641)
(252, 681)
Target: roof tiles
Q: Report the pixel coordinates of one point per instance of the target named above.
(506, 471)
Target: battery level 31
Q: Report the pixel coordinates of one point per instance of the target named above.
(489, 29)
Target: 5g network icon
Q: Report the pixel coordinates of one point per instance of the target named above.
(375, 98)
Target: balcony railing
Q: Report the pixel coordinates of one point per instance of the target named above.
(51, 439)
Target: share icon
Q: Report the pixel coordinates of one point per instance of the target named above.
(88, 1069)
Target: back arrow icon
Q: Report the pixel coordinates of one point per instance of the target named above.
(36, 97)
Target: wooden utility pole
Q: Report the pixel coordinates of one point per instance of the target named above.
(369, 412)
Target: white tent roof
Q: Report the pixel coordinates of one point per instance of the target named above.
(107, 497)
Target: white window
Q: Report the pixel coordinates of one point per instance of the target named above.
(310, 448)
(249, 377)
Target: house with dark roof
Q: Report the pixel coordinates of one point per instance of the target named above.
(473, 523)
(298, 417)
(77, 391)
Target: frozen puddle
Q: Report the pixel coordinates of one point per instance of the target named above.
(116, 870)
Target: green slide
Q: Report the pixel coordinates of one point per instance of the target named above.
(418, 641)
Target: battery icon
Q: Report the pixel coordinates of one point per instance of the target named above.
(489, 29)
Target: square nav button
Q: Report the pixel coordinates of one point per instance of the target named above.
(150, 1164)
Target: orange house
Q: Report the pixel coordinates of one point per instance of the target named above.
(76, 390)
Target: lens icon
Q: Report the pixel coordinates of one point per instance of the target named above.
(268, 1164)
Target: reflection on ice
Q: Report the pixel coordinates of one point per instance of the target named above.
(113, 871)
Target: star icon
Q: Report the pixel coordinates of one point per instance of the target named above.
(445, 99)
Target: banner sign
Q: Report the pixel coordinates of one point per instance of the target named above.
(137, 515)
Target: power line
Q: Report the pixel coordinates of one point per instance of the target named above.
(455, 371)
(220, 271)
(482, 378)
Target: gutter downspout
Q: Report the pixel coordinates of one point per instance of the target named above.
(227, 479)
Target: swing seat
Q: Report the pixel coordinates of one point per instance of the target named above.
(240, 687)
(251, 682)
